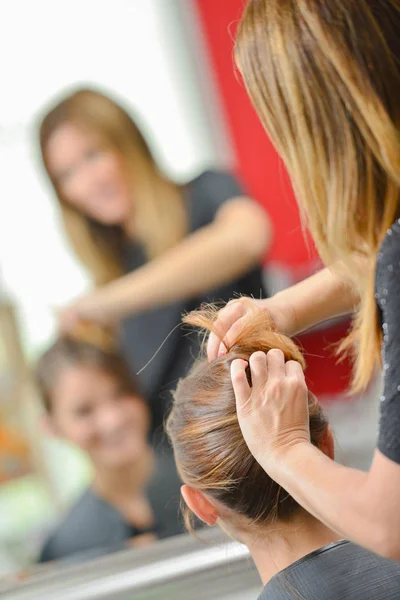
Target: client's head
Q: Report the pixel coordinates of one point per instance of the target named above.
(223, 482)
(92, 401)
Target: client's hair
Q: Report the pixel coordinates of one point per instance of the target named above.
(210, 452)
(69, 351)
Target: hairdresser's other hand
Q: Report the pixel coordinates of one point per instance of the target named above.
(86, 309)
(273, 413)
(230, 320)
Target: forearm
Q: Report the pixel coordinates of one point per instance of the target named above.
(322, 296)
(359, 506)
(203, 260)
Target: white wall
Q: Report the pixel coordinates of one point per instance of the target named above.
(135, 48)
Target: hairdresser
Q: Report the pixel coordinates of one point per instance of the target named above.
(325, 79)
(154, 249)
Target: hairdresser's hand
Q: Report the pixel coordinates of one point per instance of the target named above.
(87, 309)
(231, 317)
(273, 413)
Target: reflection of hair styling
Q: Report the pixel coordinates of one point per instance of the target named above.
(72, 351)
(210, 451)
(328, 98)
(158, 203)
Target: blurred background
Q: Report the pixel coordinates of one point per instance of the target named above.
(169, 63)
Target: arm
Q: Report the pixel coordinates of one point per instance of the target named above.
(318, 298)
(215, 254)
(362, 507)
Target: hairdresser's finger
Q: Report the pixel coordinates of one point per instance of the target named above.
(227, 318)
(231, 336)
(294, 370)
(213, 347)
(240, 384)
(258, 368)
(276, 364)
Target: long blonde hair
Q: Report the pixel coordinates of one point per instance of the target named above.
(325, 80)
(160, 215)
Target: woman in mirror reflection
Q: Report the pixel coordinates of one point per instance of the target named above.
(92, 402)
(154, 249)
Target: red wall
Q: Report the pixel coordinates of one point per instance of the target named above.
(264, 175)
(259, 166)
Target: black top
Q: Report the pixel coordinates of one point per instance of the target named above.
(387, 291)
(143, 334)
(340, 571)
(93, 527)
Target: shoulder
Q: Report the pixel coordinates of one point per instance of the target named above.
(89, 524)
(339, 570)
(213, 180)
(388, 260)
(390, 247)
(208, 193)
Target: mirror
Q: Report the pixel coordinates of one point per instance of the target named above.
(136, 52)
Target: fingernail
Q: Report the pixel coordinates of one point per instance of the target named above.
(221, 353)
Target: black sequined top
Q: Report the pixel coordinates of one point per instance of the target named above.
(387, 294)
